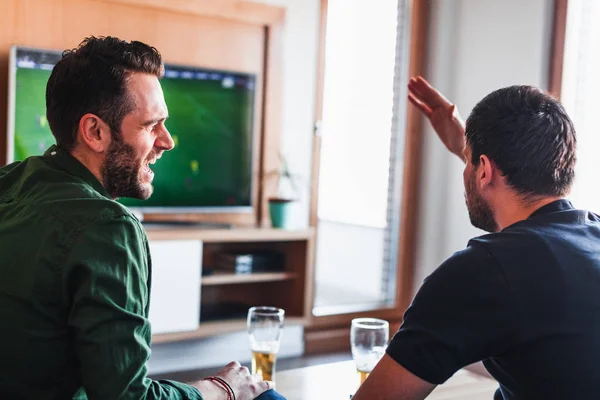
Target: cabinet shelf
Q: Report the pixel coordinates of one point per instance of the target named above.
(228, 235)
(221, 293)
(229, 279)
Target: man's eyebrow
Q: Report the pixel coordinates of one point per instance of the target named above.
(154, 121)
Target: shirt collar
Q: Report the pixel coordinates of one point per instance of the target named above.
(70, 164)
(555, 206)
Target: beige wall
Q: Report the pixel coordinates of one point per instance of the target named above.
(476, 46)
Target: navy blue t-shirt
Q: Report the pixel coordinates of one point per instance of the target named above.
(525, 300)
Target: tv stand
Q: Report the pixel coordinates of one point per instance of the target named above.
(185, 224)
(290, 286)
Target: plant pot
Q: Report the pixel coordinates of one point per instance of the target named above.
(280, 211)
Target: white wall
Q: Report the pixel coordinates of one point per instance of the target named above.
(299, 90)
(475, 47)
(301, 45)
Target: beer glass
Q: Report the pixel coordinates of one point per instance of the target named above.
(265, 325)
(368, 338)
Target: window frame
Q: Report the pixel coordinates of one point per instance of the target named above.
(330, 332)
(557, 50)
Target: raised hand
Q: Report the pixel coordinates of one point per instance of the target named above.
(442, 114)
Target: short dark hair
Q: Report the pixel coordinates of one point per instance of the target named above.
(92, 78)
(529, 136)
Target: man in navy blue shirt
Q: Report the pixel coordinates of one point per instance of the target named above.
(525, 298)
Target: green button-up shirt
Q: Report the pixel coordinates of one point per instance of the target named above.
(75, 277)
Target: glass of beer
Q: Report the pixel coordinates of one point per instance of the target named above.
(368, 338)
(265, 325)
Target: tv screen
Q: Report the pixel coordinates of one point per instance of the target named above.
(211, 120)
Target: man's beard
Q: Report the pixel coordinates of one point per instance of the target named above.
(480, 213)
(121, 171)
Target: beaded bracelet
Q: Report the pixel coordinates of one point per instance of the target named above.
(224, 385)
(229, 388)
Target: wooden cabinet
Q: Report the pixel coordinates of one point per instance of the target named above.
(225, 297)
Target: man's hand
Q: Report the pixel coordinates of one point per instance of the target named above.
(442, 114)
(244, 385)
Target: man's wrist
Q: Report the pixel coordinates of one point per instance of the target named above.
(210, 390)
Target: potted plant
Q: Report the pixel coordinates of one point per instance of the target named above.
(288, 187)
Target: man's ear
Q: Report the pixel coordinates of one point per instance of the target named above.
(94, 133)
(487, 171)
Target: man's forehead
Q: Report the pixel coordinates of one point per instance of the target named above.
(142, 85)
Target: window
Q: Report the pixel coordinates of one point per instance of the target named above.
(360, 172)
(357, 112)
(579, 94)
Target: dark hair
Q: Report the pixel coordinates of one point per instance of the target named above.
(529, 136)
(92, 78)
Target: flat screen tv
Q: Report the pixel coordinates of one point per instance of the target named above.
(211, 120)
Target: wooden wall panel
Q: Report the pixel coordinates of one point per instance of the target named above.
(189, 39)
(239, 10)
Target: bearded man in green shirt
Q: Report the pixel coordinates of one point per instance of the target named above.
(75, 266)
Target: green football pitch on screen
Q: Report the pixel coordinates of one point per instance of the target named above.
(32, 133)
(211, 126)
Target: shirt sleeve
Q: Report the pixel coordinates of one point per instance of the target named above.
(106, 291)
(463, 313)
